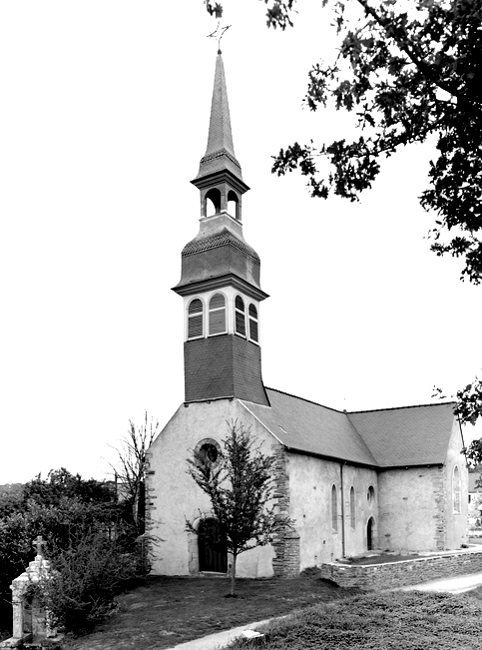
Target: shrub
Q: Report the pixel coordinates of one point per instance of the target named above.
(91, 543)
(85, 579)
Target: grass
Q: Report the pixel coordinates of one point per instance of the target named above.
(166, 611)
(387, 621)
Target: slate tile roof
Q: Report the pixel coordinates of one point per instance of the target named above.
(411, 435)
(406, 436)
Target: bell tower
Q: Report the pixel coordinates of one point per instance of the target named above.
(220, 278)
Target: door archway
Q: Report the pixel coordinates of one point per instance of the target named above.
(370, 534)
(213, 555)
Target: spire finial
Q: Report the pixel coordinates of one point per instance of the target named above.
(219, 33)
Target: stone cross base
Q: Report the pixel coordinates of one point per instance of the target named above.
(25, 642)
(11, 643)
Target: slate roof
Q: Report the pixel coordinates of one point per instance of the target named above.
(219, 154)
(396, 437)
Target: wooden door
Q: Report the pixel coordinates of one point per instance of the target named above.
(213, 555)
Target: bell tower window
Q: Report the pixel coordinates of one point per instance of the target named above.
(239, 312)
(217, 314)
(212, 202)
(195, 319)
(253, 323)
(233, 205)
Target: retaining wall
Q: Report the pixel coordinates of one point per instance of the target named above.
(406, 572)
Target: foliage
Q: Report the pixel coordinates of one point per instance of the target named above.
(86, 577)
(409, 71)
(61, 484)
(240, 486)
(131, 466)
(468, 409)
(69, 513)
(408, 620)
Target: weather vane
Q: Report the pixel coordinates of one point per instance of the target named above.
(219, 33)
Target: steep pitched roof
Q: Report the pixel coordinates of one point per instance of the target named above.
(408, 436)
(411, 435)
(311, 428)
(219, 154)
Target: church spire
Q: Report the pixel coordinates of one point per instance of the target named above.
(219, 156)
(220, 276)
(220, 135)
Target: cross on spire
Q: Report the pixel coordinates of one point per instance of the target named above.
(38, 543)
(219, 33)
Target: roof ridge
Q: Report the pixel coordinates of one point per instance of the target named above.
(397, 408)
(387, 408)
(283, 392)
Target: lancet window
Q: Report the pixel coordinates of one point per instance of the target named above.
(253, 323)
(456, 489)
(334, 509)
(240, 316)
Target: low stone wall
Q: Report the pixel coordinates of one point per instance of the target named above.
(407, 572)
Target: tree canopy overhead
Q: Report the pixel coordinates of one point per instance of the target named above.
(408, 70)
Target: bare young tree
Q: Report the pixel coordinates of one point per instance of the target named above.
(130, 468)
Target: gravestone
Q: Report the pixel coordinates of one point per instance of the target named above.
(31, 626)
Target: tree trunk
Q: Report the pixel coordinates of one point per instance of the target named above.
(233, 574)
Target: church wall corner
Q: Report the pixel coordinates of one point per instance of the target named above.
(286, 562)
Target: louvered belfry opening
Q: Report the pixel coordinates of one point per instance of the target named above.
(195, 319)
(217, 314)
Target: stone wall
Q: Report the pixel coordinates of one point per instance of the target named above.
(407, 572)
(286, 563)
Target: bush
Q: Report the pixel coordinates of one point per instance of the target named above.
(90, 540)
(85, 579)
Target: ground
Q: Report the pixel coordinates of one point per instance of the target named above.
(388, 621)
(166, 611)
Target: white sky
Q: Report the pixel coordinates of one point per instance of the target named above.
(103, 120)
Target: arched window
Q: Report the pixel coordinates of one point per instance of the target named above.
(371, 494)
(217, 314)
(233, 204)
(240, 316)
(352, 507)
(212, 202)
(195, 319)
(334, 510)
(253, 322)
(370, 534)
(456, 489)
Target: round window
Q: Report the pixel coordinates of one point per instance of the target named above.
(209, 452)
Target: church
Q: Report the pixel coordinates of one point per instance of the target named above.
(390, 479)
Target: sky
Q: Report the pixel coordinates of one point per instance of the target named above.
(103, 120)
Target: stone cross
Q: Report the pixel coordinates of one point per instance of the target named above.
(38, 543)
(219, 33)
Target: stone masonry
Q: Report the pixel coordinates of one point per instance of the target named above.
(286, 562)
(408, 572)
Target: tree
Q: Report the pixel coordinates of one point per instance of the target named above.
(130, 469)
(61, 484)
(409, 71)
(88, 540)
(239, 484)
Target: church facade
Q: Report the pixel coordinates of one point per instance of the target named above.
(389, 479)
